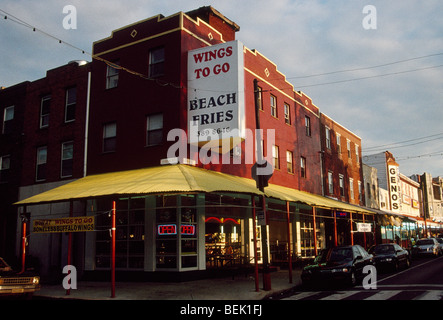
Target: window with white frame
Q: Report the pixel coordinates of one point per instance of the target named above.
(328, 137)
(112, 75)
(330, 182)
(287, 113)
(44, 111)
(338, 141)
(156, 62)
(5, 164)
(8, 116)
(348, 146)
(341, 184)
(357, 156)
(351, 188)
(275, 157)
(109, 137)
(42, 156)
(274, 106)
(71, 102)
(289, 161)
(308, 126)
(67, 159)
(154, 129)
(303, 172)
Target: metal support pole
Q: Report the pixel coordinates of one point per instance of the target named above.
(352, 231)
(289, 242)
(335, 227)
(254, 232)
(315, 231)
(113, 251)
(24, 222)
(71, 214)
(264, 229)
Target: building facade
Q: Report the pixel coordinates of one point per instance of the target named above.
(115, 117)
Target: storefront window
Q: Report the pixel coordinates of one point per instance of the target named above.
(224, 230)
(176, 231)
(129, 244)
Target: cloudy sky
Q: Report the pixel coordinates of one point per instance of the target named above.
(380, 78)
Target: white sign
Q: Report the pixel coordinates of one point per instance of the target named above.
(394, 191)
(216, 97)
(364, 227)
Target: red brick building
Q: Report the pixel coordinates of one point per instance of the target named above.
(138, 94)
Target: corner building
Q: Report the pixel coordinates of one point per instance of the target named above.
(178, 217)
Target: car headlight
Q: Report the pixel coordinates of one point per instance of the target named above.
(36, 280)
(340, 270)
(387, 259)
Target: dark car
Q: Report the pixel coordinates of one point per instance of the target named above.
(390, 255)
(13, 283)
(426, 247)
(342, 265)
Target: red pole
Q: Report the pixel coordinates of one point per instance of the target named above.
(289, 243)
(113, 251)
(254, 232)
(352, 231)
(315, 231)
(71, 211)
(335, 227)
(23, 241)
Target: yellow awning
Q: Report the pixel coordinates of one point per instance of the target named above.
(313, 200)
(163, 179)
(176, 179)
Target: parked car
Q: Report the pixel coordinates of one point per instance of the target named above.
(390, 255)
(343, 265)
(440, 243)
(12, 282)
(426, 247)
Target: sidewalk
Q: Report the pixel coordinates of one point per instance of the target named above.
(241, 288)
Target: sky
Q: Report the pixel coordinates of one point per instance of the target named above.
(374, 66)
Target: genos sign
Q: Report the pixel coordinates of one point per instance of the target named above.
(216, 103)
(394, 192)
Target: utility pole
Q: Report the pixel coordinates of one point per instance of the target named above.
(261, 183)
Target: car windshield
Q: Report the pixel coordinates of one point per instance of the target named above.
(384, 249)
(335, 255)
(425, 242)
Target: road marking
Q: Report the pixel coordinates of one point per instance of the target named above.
(340, 295)
(430, 295)
(383, 295)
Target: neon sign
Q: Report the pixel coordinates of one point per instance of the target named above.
(171, 229)
(167, 229)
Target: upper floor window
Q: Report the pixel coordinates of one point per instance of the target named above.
(8, 116)
(289, 162)
(44, 111)
(303, 172)
(273, 106)
(287, 113)
(156, 62)
(308, 126)
(330, 182)
(112, 75)
(67, 159)
(109, 137)
(348, 146)
(341, 182)
(328, 137)
(5, 164)
(154, 129)
(260, 98)
(338, 141)
(42, 155)
(357, 156)
(276, 157)
(71, 101)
